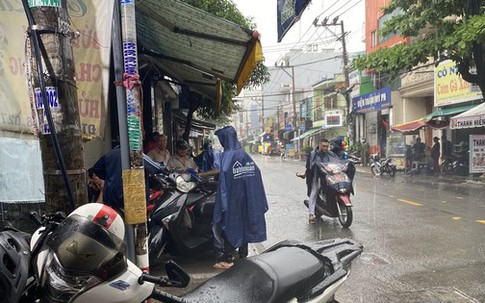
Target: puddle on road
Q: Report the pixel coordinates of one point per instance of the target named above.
(369, 258)
(436, 295)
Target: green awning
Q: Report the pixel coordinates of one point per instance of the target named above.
(307, 133)
(447, 112)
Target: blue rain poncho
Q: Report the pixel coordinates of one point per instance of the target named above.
(241, 200)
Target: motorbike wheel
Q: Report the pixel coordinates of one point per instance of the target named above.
(345, 215)
(392, 171)
(376, 170)
(447, 168)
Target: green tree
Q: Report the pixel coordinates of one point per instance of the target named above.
(441, 29)
(207, 108)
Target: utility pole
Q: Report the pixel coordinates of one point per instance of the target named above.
(134, 177)
(350, 117)
(262, 112)
(56, 105)
(293, 101)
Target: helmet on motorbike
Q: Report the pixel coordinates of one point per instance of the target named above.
(103, 215)
(181, 144)
(90, 241)
(14, 265)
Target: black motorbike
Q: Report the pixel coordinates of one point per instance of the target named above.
(382, 166)
(181, 219)
(290, 271)
(334, 194)
(454, 165)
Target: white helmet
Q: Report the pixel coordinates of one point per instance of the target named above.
(103, 215)
(90, 240)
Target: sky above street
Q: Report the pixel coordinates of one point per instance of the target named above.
(352, 12)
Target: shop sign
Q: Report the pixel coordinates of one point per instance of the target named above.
(468, 122)
(450, 88)
(333, 120)
(374, 101)
(477, 154)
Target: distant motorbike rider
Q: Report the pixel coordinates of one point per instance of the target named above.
(321, 154)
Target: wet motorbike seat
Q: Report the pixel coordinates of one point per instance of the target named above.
(272, 277)
(194, 197)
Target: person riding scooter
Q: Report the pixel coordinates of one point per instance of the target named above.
(320, 155)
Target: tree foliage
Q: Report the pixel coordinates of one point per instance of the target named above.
(228, 10)
(440, 29)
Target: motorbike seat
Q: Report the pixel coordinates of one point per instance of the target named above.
(276, 276)
(193, 198)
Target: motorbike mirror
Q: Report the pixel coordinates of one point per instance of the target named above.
(177, 274)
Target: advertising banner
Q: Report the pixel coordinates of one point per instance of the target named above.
(450, 88)
(288, 12)
(472, 118)
(92, 21)
(477, 154)
(374, 101)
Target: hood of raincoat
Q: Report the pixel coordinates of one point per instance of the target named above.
(228, 138)
(241, 199)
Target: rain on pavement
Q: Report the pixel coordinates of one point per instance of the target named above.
(422, 238)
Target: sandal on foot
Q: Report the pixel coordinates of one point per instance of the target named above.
(222, 265)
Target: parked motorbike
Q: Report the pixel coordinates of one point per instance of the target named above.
(290, 271)
(355, 159)
(181, 219)
(80, 259)
(275, 153)
(379, 167)
(454, 165)
(77, 259)
(334, 195)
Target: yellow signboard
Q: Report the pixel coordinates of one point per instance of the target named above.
(450, 88)
(92, 20)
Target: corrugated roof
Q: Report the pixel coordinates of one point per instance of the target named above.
(193, 46)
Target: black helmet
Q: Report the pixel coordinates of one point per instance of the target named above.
(14, 265)
(181, 144)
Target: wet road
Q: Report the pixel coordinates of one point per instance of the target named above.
(423, 242)
(423, 239)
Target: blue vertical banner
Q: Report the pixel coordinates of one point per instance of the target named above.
(288, 13)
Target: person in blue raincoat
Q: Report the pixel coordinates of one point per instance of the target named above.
(240, 207)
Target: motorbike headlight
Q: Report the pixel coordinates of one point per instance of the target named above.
(61, 286)
(184, 186)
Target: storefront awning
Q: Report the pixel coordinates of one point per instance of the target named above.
(409, 126)
(417, 124)
(308, 133)
(447, 112)
(474, 117)
(195, 47)
(427, 121)
(196, 125)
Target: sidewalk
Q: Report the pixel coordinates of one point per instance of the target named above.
(458, 183)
